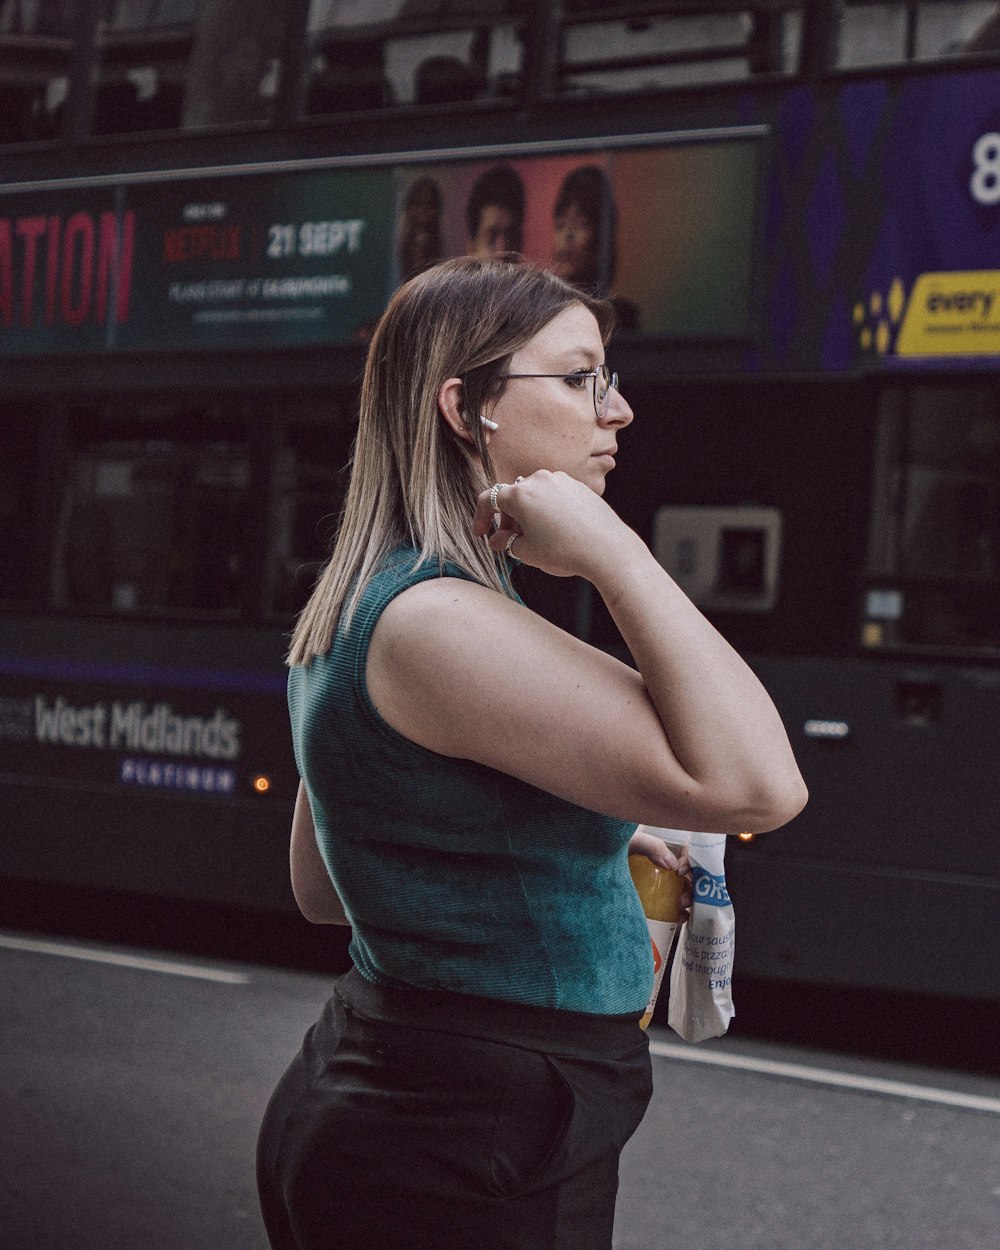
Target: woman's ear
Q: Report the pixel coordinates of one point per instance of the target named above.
(451, 400)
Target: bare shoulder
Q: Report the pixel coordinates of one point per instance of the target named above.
(446, 604)
(431, 653)
(447, 625)
(436, 593)
(442, 633)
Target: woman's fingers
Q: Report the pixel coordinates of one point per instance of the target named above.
(486, 517)
(482, 522)
(653, 848)
(557, 523)
(656, 850)
(502, 538)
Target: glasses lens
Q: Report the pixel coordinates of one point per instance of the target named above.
(602, 383)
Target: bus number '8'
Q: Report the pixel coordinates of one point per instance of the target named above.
(985, 182)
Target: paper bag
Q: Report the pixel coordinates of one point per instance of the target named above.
(701, 978)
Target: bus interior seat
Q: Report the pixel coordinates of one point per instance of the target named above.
(447, 80)
(351, 77)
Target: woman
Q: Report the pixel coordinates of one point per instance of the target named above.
(472, 781)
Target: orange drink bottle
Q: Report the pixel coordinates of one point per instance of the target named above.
(659, 891)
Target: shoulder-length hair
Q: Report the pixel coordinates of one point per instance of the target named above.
(414, 482)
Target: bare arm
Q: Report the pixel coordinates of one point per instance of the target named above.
(691, 741)
(314, 891)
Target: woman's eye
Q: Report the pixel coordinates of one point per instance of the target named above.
(577, 380)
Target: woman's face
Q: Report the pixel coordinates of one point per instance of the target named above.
(420, 241)
(498, 232)
(574, 247)
(550, 422)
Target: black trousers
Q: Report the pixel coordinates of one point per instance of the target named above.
(423, 1120)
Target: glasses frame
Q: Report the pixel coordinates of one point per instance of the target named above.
(600, 371)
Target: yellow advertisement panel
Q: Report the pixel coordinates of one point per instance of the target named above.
(952, 314)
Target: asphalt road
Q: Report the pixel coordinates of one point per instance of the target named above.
(132, 1084)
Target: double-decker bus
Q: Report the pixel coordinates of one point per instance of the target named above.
(796, 207)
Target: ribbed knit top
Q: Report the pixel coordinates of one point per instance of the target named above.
(454, 875)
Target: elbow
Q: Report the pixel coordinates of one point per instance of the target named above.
(319, 909)
(726, 804)
(312, 914)
(776, 806)
(308, 909)
(767, 805)
(317, 917)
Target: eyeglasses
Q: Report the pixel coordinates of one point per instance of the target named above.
(604, 380)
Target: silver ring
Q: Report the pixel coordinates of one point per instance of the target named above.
(509, 548)
(494, 492)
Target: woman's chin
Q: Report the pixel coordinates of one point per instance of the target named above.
(594, 478)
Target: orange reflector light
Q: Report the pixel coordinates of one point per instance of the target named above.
(261, 783)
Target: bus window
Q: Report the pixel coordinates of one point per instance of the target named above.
(933, 576)
(909, 30)
(35, 46)
(18, 477)
(872, 34)
(623, 47)
(984, 36)
(311, 479)
(181, 64)
(367, 55)
(946, 29)
(153, 527)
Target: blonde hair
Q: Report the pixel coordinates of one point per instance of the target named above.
(414, 482)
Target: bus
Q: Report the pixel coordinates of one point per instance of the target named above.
(204, 207)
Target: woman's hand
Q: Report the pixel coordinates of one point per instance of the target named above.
(655, 849)
(558, 524)
(659, 853)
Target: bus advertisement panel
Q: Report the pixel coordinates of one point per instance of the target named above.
(667, 231)
(880, 236)
(227, 262)
(312, 256)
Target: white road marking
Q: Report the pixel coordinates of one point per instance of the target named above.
(95, 955)
(825, 1076)
(664, 1050)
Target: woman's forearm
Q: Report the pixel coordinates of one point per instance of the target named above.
(720, 723)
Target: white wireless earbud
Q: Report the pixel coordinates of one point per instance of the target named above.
(490, 425)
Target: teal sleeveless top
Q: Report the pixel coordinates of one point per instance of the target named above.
(453, 875)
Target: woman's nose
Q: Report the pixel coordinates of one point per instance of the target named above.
(618, 412)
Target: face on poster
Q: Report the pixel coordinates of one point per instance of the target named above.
(667, 232)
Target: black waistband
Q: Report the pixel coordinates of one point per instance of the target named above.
(556, 1032)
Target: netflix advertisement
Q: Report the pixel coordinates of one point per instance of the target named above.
(231, 262)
